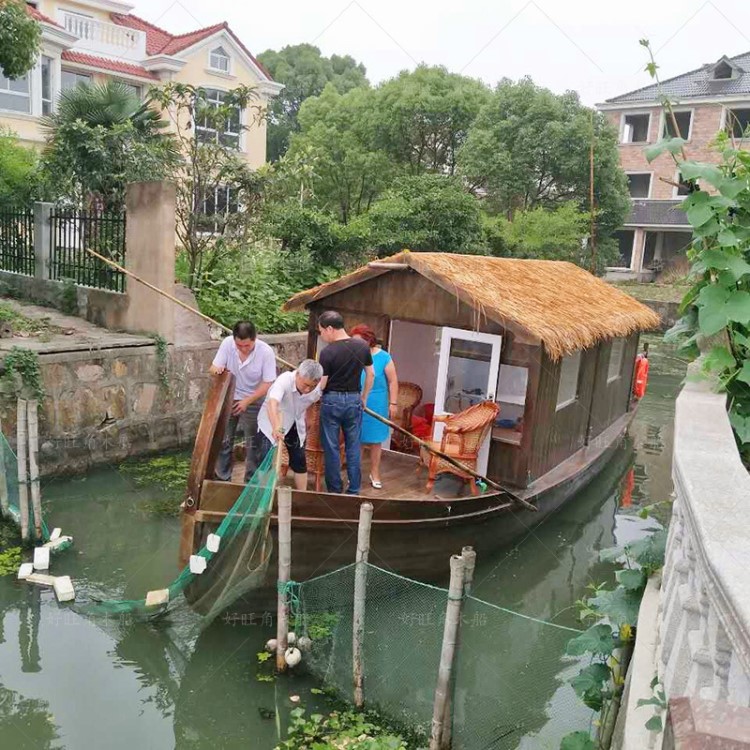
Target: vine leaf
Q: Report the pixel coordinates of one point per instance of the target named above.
(598, 639)
(654, 724)
(632, 580)
(589, 683)
(670, 145)
(719, 359)
(620, 605)
(577, 741)
(744, 374)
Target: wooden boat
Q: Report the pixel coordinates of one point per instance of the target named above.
(553, 345)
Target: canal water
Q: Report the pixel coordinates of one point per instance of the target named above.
(79, 683)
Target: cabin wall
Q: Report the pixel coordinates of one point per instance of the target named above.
(611, 399)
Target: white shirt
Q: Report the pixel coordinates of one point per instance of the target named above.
(259, 367)
(292, 404)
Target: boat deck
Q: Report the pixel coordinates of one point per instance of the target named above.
(401, 480)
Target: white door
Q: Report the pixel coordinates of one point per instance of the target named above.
(468, 369)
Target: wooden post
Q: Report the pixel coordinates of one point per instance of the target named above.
(32, 408)
(23, 490)
(4, 503)
(470, 559)
(450, 634)
(360, 588)
(284, 510)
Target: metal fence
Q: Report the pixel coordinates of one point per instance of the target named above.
(17, 241)
(72, 233)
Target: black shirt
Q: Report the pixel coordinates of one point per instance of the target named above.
(343, 362)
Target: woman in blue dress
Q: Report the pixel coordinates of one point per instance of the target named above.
(383, 399)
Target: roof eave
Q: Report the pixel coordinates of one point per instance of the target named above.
(164, 63)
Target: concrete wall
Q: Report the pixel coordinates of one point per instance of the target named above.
(107, 405)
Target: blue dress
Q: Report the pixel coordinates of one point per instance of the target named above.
(374, 431)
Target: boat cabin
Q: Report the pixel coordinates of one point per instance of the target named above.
(552, 345)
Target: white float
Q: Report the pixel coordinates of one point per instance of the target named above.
(291, 638)
(292, 656)
(271, 645)
(55, 534)
(64, 590)
(304, 643)
(197, 564)
(25, 571)
(41, 558)
(155, 598)
(212, 542)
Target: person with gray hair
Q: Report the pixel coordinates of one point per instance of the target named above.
(282, 416)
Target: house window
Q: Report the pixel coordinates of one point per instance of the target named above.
(218, 59)
(625, 241)
(229, 134)
(14, 94)
(684, 187)
(217, 205)
(738, 121)
(639, 185)
(684, 125)
(567, 390)
(635, 128)
(132, 88)
(723, 71)
(70, 79)
(615, 359)
(46, 85)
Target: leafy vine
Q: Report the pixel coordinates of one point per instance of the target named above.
(162, 359)
(22, 371)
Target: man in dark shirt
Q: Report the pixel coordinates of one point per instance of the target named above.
(344, 396)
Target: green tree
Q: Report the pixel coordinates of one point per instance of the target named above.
(529, 148)
(18, 172)
(338, 138)
(304, 73)
(20, 39)
(217, 192)
(100, 138)
(426, 212)
(425, 116)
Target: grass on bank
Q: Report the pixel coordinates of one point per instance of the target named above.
(654, 291)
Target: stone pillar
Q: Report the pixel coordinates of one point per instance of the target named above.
(639, 245)
(42, 238)
(150, 253)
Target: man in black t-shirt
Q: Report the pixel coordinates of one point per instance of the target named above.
(343, 360)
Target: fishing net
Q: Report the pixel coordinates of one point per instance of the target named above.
(510, 676)
(235, 568)
(13, 493)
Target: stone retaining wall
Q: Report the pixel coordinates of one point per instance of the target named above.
(106, 405)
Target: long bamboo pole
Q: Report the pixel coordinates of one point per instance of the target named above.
(21, 445)
(360, 589)
(4, 502)
(284, 511)
(32, 408)
(452, 461)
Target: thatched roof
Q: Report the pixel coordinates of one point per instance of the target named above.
(560, 304)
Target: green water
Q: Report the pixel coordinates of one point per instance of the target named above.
(68, 681)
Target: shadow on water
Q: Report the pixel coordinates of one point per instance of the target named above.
(72, 682)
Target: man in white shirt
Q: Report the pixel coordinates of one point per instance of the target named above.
(282, 416)
(253, 364)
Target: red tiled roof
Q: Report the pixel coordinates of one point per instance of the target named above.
(104, 63)
(37, 16)
(161, 42)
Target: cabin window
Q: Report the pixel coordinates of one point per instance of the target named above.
(615, 359)
(639, 184)
(684, 125)
(511, 397)
(567, 390)
(635, 128)
(738, 121)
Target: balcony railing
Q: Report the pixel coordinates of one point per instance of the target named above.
(101, 37)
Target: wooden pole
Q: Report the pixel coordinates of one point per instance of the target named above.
(23, 490)
(284, 511)
(591, 196)
(470, 559)
(447, 654)
(360, 588)
(458, 464)
(4, 503)
(32, 408)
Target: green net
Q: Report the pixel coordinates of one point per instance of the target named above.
(510, 675)
(233, 570)
(13, 494)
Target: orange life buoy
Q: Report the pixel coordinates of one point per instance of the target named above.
(641, 376)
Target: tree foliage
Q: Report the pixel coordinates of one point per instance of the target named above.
(425, 116)
(20, 39)
(100, 138)
(529, 148)
(18, 172)
(304, 73)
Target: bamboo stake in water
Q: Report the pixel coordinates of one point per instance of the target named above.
(4, 503)
(447, 654)
(360, 588)
(470, 560)
(23, 490)
(284, 511)
(36, 495)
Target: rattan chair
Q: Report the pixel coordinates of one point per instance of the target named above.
(463, 436)
(409, 397)
(313, 448)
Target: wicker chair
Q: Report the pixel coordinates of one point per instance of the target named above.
(463, 436)
(313, 448)
(409, 396)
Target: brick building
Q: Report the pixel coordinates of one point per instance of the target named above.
(711, 98)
